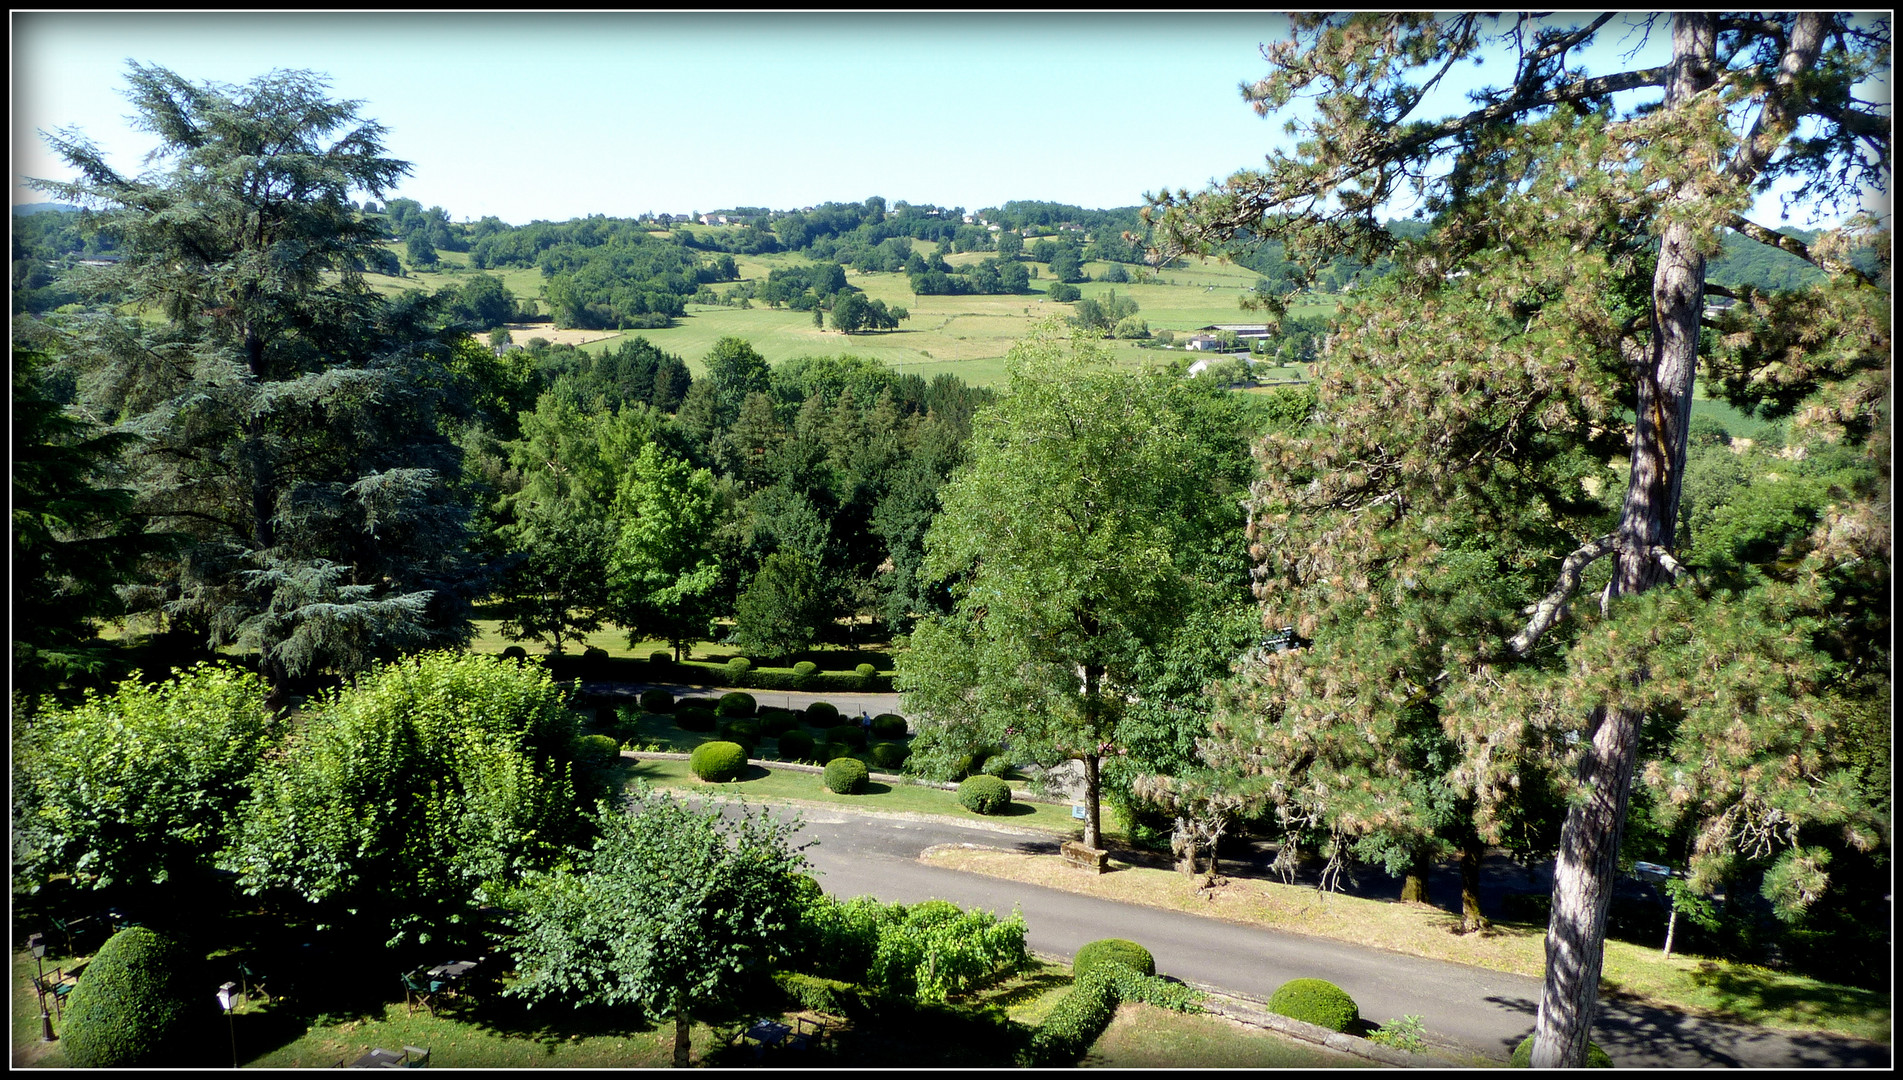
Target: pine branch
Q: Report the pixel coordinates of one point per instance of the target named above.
(1547, 611)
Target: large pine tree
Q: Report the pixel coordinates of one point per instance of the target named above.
(288, 417)
(1562, 300)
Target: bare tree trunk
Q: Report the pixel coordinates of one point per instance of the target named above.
(1587, 863)
(1183, 845)
(1671, 927)
(1093, 820)
(1414, 883)
(682, 1045)
(1470, 918)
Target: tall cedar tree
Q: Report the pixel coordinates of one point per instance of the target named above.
(289, 417)
(1562, 299)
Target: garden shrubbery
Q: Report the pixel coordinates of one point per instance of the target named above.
(738, 667)
(516, 653)
(1317, 1002)
(890, 755)
(776, 721)
(596, 751)
(796, 745)
(830, 750)
(822, 714)
(928, 951)
(866, 673)
(846, 776)
(984, 795)
(805, 669)
(137, 1006)
(847, 735)
(1120, 950)
(735, 703)
(660, 658)
(594, 661)
(888, 726)
(694, 718)
(718, 762)
(657, 700)
(744, 732)
(1523, 1055)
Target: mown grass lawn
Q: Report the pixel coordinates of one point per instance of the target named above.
(1717, 988)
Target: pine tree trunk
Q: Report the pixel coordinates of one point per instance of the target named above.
(1414, 883)
(1093, 821)
(1587, 863)
(682, 1045)
(1470, 918)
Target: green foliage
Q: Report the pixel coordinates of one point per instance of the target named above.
(848, 734)
(140, 787)
(865, 672)
(139, 1005)
(743, 731)
(1523, 1055)
(718, 762)
(663, 569)
(890, 755)
(660, 658)
(1402, 1034)
(408, 792)
(984, 795)
(781, 610)
(596, 751)
(822, 714)
(675, 912)
(1075, 1023)
(928, 951)
(516, 653)
(816, 994)
(832, 750)
(694, 718)
(735, 703)
(796, 745)
(805, 667)
(1127, 953)
(657, 700)
(887, 725)
(845, 776)
(594, 661)
(1315, 1001)
(776, 721)
(739, 665)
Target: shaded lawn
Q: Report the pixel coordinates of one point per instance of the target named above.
(1146, 1037)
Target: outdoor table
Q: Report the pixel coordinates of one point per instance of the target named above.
(767, 1032)
(454, 970)
(378, 1059)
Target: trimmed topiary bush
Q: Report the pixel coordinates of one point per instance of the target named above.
(805, 668)
(739, 666)
(890, 755)
(743, 731)
(821, 714)
(694, 718)
(866, 672)
(735, 703)
(1523, 1055)
(776, 721)
(848, 735)
(973, 763)
(718, 762)
(984, 795)
(845, 776)
(660, 658)
(888, 726)
(596, 751)
(796, 745)
(831, 750)
(1121, 950)
(1079, 1018)
(1317, 1002)
(516, 653)
(138, 1005)
(594, 660)
(657, 700)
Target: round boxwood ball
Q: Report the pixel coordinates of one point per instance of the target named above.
(849, 735)
(796, 745)
(694, 718)
(822, 714)
(595, 751)
(1316, 1001)
(718, 762)
(660, 658)
(845, 776)
(516, 653)
(1523, 1055)
(984, 795)
(137, 1005)
(739, 665)
(1121, 950)
(888, 726)
(776, 721)
(744, 732)
(735, 703)
(890, 755)
(657, 700)
(805, 669)
(594, 659)
(865, 671)
(831, 750)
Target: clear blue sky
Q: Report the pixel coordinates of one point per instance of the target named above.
(554, 116)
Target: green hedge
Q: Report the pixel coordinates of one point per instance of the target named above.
(888, 726)
(985, 795)
(805, 669)
(846, 776)
(1083, 1014)
(718, 762)
(890, 755)
(1317, 1002)
(735, 703)
(750, 678)
(1120, 950)
(796, 745)
(820, 995)
(1523, 1055)
(137, 1005)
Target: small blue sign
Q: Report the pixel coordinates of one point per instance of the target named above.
(1077, 812)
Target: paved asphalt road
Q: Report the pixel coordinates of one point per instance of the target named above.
(1485, 1011)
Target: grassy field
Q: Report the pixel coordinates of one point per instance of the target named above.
(1717, 988)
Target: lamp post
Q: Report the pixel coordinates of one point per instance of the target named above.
(226, 995)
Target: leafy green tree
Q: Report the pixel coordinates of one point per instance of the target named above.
(735, 370)
(557, 590)
(663, 569)
(139, 787)
(675, 913)
(1569, 217)
(420, 252)
(1010, 245)
(290, 417)
(418, 793)
(1066, 267)
(1073, 540)
(784, 607)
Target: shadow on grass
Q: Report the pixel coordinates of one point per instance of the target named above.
(1744, 993)
(1032, 988)
(1016, 809)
